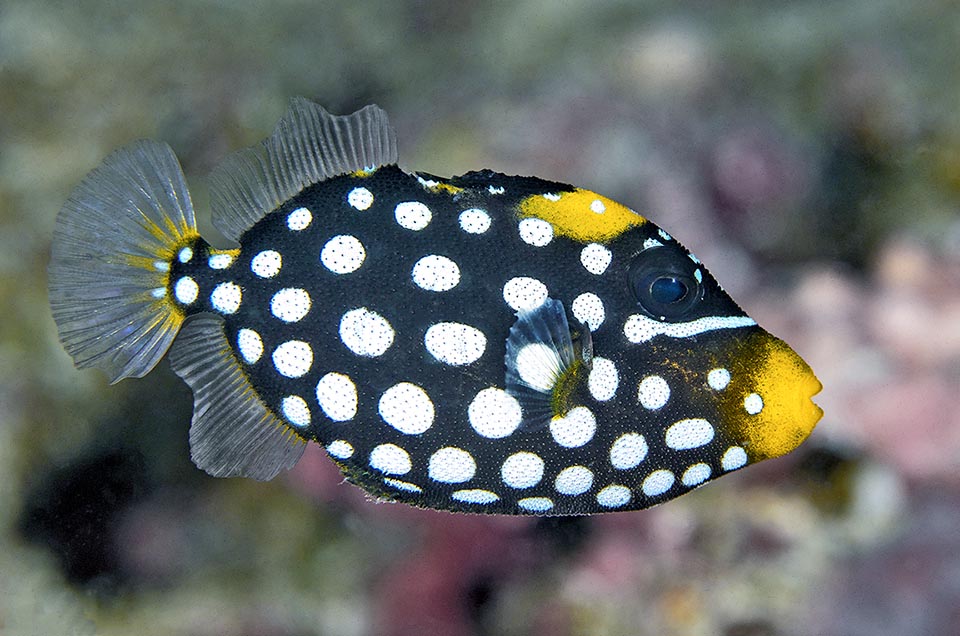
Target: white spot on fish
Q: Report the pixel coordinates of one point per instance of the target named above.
(588, 308)
(574, 480)
(343, 254)
(522, 470)
(293, 358)
(734, 458)
(574, 429)
(436, 273)
(360, 198)
(186, 290)
(494, 413)
(266, 264)
(412, 215)
(628, 451)
(337, 396)
(340, 448)
(595, 258)
(290, 304)
(226, 298)
(452, 466)
(603, 379)
(475, 220)
(614, 496)
(718, 379)
(657, 483)
(455, 343)
(365, 332)
(250, 345)
(295, 410)
(695, 475)
(689, 433)
(390, 459)
(407, 408)
(653, 392)
(299, 219)
(536, 232)
(523, 293)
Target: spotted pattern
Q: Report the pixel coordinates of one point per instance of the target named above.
(574, 429)
(343, 254)
(250, 345)
(299, 219)
(523, 293)
(365, 332)
(455, 343)
(360, 198)
(522, 470)
(337, 396)
(293, 358)
(413, 215)
(451, 465)
(390, 459)
(588, 308)
(226, 298)
(494, 413)
(435, 273)
(266, 264)
(603, 380)
(474, 221)
(186, 290)
(290, 304)
(390, 351)
(295, 410)
(407, 408)
(536, 232)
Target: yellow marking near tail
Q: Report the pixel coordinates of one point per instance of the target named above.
(581, 215)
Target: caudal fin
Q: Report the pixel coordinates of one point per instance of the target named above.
(114, 240)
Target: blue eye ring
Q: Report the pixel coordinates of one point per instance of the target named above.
(664, 282)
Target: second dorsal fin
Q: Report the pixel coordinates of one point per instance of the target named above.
(307, 146)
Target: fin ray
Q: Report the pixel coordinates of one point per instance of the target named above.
(307, 146)
(134, 208)
(540, 350)
(232, 432)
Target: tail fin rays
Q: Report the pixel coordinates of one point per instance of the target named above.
(121, 224)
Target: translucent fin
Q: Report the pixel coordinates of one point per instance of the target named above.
(232, 433)
(307, 146)
(112, 236)
(540, 355)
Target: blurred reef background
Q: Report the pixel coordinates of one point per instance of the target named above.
(808, 151)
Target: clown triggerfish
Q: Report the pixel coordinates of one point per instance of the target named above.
(485, 343)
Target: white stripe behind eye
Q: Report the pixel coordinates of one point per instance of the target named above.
(640, 329)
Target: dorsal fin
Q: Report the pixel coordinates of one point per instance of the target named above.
(232, 433)
(307, 146)
(542, 361)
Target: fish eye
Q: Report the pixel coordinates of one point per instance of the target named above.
(664, 283)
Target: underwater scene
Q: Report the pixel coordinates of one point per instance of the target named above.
(414, 318)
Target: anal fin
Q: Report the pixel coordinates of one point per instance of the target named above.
(232, 432)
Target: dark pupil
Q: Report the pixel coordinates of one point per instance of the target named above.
(667, 290)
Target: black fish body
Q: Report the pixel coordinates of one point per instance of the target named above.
(484, 343)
